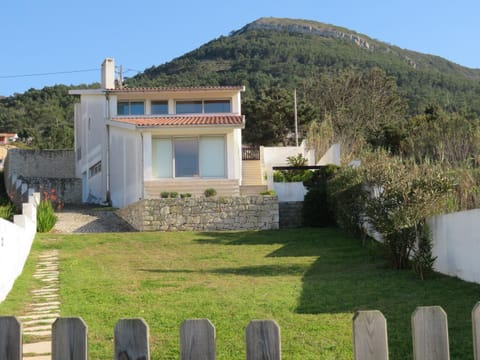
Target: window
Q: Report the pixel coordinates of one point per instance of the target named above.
(159, 107)
(203, 156)
(95, 169)
(130, 108)
(188, 107)
(202, 106)
(217, 106)
(186, 157)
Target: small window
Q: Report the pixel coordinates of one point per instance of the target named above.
(217, 106)
(188, 107)
(95, 169)
(159, 107)
(130, 108)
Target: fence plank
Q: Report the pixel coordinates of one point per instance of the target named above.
(69, 339)
(370, 336)
(263, 340)
(10, 338)
(476, 330)
(131, 340)
(430, 333)
(197, 340)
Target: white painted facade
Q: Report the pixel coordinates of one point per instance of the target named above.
(15, 242)
(114, 158)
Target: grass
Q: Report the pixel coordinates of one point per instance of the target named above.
(310, 281)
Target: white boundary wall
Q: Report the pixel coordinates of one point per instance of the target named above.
(456, 244)
(292, 191)
(15, 242)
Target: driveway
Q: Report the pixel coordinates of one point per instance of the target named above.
(89, 219)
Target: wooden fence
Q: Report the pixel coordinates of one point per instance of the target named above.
(262, 337)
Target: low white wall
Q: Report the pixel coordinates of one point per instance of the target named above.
(456, 244)
(15, 242)
(332, 156)
(277, 156)
(293, 191)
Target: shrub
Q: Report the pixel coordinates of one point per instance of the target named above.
(186, 195)
(316, 211)
(423, 259)
(7, 211)
(293, 175)
(173, 194)
(268, 193)
(210, 192)
(401, 196)
(346, 199)
(164, 194)
(46, 217)
(278, 176)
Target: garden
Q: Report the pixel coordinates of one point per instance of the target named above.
(310, 280)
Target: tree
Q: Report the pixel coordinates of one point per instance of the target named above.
(270, 117)
(361, 106)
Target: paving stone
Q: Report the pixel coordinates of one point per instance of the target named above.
(45, 296)
(43, 290)
(45, 309)
(50, 303)
(49, 320)
(38, 328)
(38, 333)
(42, 347)
(39, 317)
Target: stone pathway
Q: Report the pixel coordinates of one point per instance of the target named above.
(43, 309)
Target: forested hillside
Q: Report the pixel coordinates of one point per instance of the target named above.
(333, 69)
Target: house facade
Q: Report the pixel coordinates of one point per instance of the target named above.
(135, 143)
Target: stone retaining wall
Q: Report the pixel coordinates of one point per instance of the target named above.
(203, 214)
(49, 172)
(290, 214)
(42, 163)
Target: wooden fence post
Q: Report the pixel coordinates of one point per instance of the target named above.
(131, 340)
(197, 340)
(370, 336)
(430, 333)
(10, 338)
(69, 339)
(262, 339)
(476, 330)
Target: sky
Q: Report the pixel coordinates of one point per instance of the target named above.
(65, 42)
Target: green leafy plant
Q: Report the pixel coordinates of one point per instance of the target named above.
(423, 259)
(46, 217)
(185, 195)
(173, 194)
(7, 211)
(268, 193)
(164, 194)
(210, 192)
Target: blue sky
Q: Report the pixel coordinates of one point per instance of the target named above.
(52, 36)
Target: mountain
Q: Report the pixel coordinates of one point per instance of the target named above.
(266, 53)
(288, 52)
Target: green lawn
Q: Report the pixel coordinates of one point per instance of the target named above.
(310, 281)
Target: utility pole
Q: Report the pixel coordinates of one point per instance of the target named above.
(120, 81)
(295, 114)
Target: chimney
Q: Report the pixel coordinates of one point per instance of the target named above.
(108, 74)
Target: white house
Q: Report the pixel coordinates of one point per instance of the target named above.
(134, 143)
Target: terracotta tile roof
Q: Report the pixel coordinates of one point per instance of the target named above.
(177, 89)
(182, 120)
